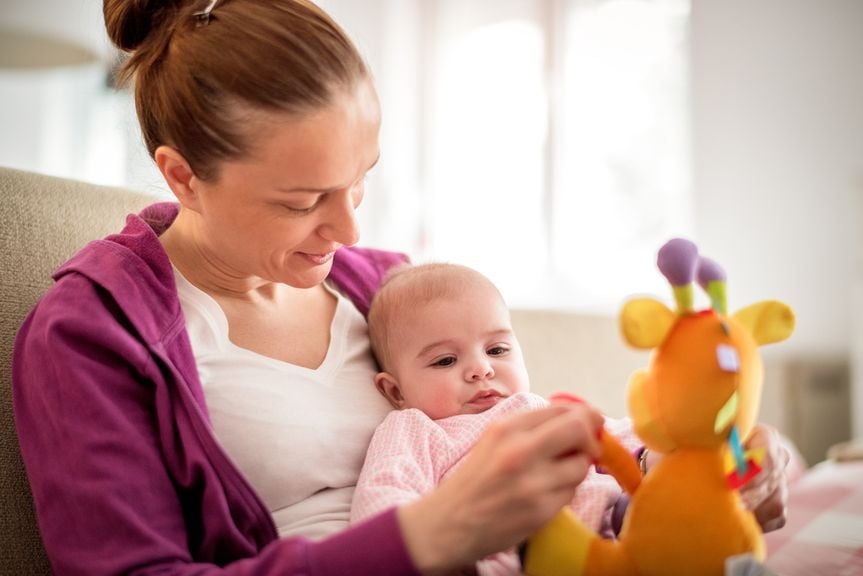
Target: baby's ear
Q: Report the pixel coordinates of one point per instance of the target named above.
(389, 387)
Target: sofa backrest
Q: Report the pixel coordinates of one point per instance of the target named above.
(577, 352)
(43, 221)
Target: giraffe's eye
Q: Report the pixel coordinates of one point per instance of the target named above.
(728, 359)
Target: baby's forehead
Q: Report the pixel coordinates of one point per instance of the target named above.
(479, 299)
(456, 316)
(429, 286)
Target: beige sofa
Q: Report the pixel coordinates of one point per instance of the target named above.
(44, 220)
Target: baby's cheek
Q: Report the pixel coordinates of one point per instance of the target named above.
(523, 381)
(440, 405)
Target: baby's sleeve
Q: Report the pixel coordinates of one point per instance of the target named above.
(624, 431)
(403, 462)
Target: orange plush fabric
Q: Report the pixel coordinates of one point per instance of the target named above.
(695, 404)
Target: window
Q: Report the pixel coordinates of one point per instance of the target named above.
(557, 155)
(487, 164)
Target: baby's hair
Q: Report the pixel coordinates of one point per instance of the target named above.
(409, 287)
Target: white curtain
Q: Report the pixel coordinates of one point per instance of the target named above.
(545, 142)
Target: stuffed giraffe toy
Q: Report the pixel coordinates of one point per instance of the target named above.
(695, 404)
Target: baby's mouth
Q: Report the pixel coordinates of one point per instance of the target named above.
(486, 398)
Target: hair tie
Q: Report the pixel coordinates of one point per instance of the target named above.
(202, 17)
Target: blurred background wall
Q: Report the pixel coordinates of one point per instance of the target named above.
(770, 161)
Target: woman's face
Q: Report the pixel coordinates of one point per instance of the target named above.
(281, 213)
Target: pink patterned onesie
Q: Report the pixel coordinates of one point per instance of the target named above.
(410, 454)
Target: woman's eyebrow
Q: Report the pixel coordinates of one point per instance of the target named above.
(313, 190)
(308, 190)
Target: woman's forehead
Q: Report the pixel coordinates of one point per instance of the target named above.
(323, 148)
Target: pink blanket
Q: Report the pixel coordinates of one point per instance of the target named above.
(824, 533)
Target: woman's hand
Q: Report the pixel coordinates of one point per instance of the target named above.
(520, 473)
(767, 494)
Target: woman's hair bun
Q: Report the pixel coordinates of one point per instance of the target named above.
(129, 22)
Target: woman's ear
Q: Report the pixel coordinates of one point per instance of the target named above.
(389, 387)
(179, 176)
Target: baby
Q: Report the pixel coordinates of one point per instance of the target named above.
(450, 364)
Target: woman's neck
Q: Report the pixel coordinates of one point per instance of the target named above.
(190, 254)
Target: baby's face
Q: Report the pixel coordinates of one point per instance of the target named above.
(458, 356)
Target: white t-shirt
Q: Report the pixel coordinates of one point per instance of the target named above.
(298, 435)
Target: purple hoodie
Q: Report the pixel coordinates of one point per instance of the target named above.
(125, 471)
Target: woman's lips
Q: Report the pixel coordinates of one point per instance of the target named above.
(317, 259)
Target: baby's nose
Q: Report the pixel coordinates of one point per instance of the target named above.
(482, 370)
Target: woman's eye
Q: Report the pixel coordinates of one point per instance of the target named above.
(497, 350)
(299, 209)
(445, 361)
(299, 203)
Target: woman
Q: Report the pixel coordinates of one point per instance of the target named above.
(194, 394)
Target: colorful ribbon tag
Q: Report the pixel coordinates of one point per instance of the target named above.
(737, 451)
(753, 459)
(736, 480)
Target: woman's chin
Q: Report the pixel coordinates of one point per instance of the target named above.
(308, 278)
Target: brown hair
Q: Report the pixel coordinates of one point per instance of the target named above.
(194, 79)
(408, 288)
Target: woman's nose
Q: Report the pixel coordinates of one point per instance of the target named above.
(340, 223)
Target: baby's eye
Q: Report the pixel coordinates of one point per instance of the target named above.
(444, 362)
(497, 350)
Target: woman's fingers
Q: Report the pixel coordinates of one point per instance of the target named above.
(553, 432)
(541, 456)
(519, 474)
(536, 454)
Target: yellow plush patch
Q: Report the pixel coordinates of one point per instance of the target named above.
(559, 549)
(727, 413)
(757, 455)
(768, 322)
(645, 322)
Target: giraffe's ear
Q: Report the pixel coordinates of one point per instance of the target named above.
(769, 321)
(645, 322)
